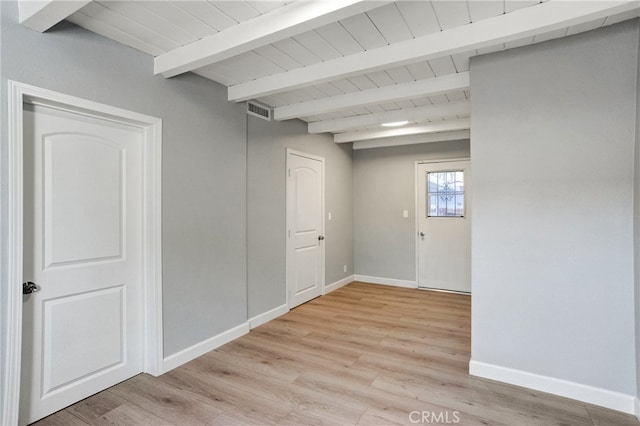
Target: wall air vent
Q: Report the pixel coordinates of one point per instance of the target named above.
(259, 110)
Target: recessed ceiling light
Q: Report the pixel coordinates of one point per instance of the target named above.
(395, 123)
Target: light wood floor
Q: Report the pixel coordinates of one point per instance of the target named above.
(364, 354)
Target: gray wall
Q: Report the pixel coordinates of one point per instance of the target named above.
(267, 214)
(636, 221)
(384, 186)
(203, 177)
(552, 147)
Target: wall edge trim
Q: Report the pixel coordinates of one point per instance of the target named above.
(201, 348)
(265, 317)
(386, 281)
(592, 395)
(336, 285)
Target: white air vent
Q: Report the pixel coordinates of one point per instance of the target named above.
(259, 110)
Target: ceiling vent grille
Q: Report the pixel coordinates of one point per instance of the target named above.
(259, 110)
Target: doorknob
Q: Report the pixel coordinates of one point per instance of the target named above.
(29, 287)
(320, 237)
(422, 234)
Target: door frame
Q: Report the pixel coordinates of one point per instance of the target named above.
(288, 222)
(417, 206)
(11, 303)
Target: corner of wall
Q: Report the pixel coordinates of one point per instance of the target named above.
(201, 348)
(338, 284)
(265, 317)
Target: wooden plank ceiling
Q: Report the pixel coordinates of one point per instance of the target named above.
(344, 66)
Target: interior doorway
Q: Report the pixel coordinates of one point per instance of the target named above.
(305, 227)
(65, 252)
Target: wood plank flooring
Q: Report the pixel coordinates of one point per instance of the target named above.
(363, 355)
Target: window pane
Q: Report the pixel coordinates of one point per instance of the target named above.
(433, 182)
(432, 208)
(459, 182)
(460, 205)
(445, 193)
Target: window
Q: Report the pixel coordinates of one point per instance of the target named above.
(445, 194)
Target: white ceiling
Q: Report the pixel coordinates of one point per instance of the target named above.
(344, 66)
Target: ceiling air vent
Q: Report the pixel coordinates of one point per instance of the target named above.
(259, 110)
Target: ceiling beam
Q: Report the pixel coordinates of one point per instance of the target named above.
(418, 114)
(413, 139)
(526, 22)
(414, 89)
(44, 14)
(442, 126)
(281, 23)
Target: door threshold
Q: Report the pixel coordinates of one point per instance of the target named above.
(442, 290)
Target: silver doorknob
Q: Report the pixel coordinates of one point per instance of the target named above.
(422, 234)
(29, 287)
(320, 237)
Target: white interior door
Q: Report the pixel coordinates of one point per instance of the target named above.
(444, 226)
(305, 227)
(82, 329)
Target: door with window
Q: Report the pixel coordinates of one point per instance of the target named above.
(444, 226)
(305, 227)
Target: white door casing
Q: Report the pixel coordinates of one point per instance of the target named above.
(63, 257)
(82, 330)
(305, 227)
(443, 244)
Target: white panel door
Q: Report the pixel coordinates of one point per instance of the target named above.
(444, 226)
(82, 328)
(305, 223)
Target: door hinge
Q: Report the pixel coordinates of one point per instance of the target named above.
(289, 172)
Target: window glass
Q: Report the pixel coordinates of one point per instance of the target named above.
(445, 194)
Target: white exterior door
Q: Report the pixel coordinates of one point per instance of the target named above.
(305, 227)
(82, 328)
(444, 226)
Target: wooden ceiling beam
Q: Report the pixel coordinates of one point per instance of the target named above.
(526, 22)
(288, 21)
(414, 89)
(455, 135)
(44, 14)
(418, 114)
(442, 126)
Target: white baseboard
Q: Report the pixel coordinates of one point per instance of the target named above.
(193, 352)
(336, 285)
(637, 404)
(386, 281)
(274, 313)
(589, 394)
